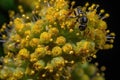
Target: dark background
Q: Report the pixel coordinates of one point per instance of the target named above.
(109, 58)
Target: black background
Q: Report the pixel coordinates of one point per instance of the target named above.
(109, 58)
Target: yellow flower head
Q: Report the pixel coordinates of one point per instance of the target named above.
(56, 51)
(39, 65)
(67, 48)
(60, 40)
(23, 53)
(45, 37)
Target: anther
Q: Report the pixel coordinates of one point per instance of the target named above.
(72, 62)
(71, 52)
(87, 4)
(71, 30)
(66, 61)
(77, 34)
(57, 74)
(94, 56)
(103, 68)
(101, 12)
(105, 16)
(72, 4)
(43, 75)
(51, 70)
(93, 6)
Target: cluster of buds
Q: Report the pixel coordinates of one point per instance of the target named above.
(88, 71)
(46, 44)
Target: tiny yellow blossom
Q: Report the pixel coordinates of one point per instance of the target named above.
(60, 40)
(33, 57)
(45, 37)
(18, 74)
(24, 53)
(67, 48)
(49, 67)
(84, 48)
(24, 43)
(60, 4)
(27, 32)
(18, 22)
(34, 42)
(15, 37)
(102, 25)
(39, 65)
(58, 62)
(40, 51)
(37, 27)
(53, 31)
(56, 51)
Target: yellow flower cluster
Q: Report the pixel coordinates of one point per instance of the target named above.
(45, 45)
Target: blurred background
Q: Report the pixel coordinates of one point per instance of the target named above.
(109, 58)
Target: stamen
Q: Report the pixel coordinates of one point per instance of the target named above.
(105, 16)
(72, 4)
(101, 12)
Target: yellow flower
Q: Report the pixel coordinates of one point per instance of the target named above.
(33, 57)
(60, 40)
(27, 32)
(18, 23)
(53, 31)
(34, 42)
(24, 43)
(67, 48)
(24, 53)
(60, 4)
(29, 71)
(45, 37)
(49, 67)
(37, 27)
(15, 37)
(39, 65)
(58, 62)
(18, 74)
(40, 51)
(56, 51)
(85, 48)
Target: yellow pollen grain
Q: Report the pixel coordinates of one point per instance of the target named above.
(107, 15)
(72, 62)
(77, 34)
(102, 11)
(71, 30)
(43, 75)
